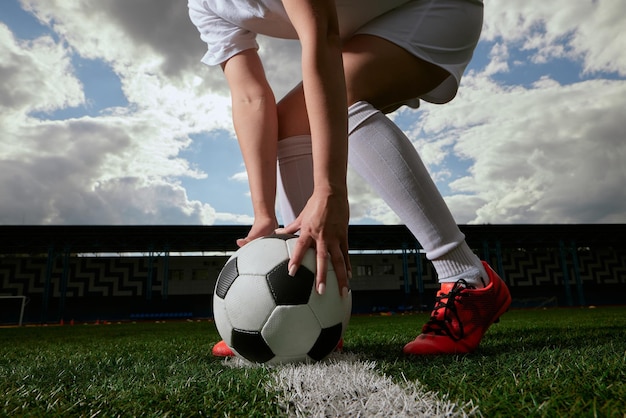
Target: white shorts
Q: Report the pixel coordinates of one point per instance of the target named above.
(442, 32)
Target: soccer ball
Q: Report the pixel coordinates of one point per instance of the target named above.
(266, 316)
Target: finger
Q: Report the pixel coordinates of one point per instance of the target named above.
(322, 267)
(339, 260)
(242, 241)
(292, 228)
(346, 260)
(302, 245)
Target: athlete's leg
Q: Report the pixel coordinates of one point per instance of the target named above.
(384, 74)
(472, 295)
(295, 176)
(380, 74)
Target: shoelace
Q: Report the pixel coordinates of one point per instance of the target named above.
(440, 323)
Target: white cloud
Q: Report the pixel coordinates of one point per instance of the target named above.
(36, 76)
(498, 62)
(96, 171)
(557, 153)
(121, 166)
(365, 204)
(133, 201)
(153, 48)
(241, 177)
(281, 61)
(589, 31)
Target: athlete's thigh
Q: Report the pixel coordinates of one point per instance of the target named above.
(377, 71)
(293, 119)
(385, 74)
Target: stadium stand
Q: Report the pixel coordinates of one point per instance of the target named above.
(89, 272)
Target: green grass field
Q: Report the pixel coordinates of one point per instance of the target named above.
(556, 362)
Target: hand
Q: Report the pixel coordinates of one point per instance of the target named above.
(323, 225)
(261, 228)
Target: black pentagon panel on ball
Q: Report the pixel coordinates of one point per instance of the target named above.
(251, 345)
(289, 290)
(226, 278)
(326, 342)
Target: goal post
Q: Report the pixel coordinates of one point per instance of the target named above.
(22, 306)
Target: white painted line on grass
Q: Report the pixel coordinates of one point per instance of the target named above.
(344, 386)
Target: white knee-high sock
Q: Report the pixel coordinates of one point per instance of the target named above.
(381, 153)
(295, 176)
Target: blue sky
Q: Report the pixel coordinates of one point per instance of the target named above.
(107, 116)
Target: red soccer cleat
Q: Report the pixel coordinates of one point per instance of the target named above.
(461, 317)
(339, 347)
(221, 349)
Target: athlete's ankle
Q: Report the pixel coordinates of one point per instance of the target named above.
(461, 264)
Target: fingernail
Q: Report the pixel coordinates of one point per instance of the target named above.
(292, 270)
(321, 288)
(344, 292)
